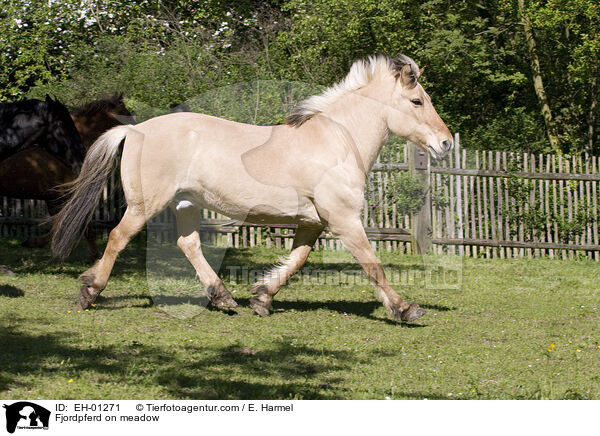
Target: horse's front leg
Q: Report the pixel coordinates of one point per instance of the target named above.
(351, 232)
(270, 284)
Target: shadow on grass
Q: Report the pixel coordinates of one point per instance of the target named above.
(118, 302)
(359, 308)
(437, 307)
(24, 260)
(11, 291)
(282, 371)
(363, 309)
(285, 371)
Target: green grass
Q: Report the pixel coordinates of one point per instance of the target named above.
(486, 340)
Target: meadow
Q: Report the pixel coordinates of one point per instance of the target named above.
(512, 329)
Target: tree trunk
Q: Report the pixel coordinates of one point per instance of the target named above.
(591, 121)
(538, 83)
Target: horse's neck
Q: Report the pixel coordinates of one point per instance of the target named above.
(363, 122)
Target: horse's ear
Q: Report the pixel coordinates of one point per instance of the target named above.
(48, 98)
(409, 80)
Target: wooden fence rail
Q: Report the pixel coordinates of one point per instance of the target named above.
(474, 203)
(491, 173)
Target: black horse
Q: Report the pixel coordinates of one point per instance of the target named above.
(45, 123)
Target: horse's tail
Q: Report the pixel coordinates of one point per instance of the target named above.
(84, 192)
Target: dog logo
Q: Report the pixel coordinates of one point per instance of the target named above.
(26, 415)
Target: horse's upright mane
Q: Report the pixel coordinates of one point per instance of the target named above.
(361, 73)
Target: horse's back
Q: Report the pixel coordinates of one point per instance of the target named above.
(201, 129)
(181, 146)
(203, 144)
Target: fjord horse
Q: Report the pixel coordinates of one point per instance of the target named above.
(310, 171)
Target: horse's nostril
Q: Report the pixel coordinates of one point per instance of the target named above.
(446, 145)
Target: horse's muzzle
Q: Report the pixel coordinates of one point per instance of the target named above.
(440, 152)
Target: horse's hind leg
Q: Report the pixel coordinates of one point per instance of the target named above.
(94, 279)
(53, 206)
(266, 289)
(90, 237)
(188, 241)
(39, 242)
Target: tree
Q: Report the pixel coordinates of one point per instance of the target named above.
(538, 82)
(507, 75)
(571, 35)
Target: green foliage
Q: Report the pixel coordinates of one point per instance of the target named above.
(405, 192)
(402, 191)
(532, 216)
(477, 68)
(517, 126)
(570, 31)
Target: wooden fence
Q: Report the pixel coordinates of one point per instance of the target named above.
(501, 204)
(473, 203)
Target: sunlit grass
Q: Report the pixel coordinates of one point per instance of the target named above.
(513, 329)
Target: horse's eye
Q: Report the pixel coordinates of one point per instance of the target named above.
(416, 102)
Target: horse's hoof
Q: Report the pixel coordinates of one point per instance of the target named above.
(259, 307)
(87, 293)
(414, 311)
(220, 297)
(224, 302)
(87, 296)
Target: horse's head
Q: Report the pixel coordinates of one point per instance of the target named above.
(98, 116)
(115, 107)
(410, 113)
(63, 139)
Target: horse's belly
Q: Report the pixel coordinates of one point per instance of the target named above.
(282, 206)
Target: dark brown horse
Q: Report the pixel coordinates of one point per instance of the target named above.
(34, 173)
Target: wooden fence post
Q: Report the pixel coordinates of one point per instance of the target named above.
(422, 233)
